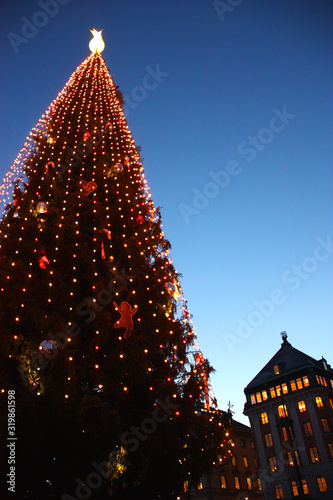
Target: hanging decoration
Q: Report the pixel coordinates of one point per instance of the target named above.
(118, 168)
(86, 135)
(48, 348)
(173, 289)
(126, 317)
(43, 261)
(41, 207)
(108, 233)
(88, 187)
(108, 126)
(48, 165)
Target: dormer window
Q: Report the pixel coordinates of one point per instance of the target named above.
(276, 369)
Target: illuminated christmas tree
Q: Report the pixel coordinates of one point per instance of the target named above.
(111, 388)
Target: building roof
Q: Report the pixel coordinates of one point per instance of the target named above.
(288, 360)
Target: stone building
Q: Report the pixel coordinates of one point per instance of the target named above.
(290, 407)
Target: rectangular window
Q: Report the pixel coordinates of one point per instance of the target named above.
(331, 403)
(299, 383)
(314, 455)
(290, 459)
(282, 411)
(200, 487)
(321, 481)
(243, 444)
(285, 434)
(273, 465)
(237, 485)
(307, 429)
(284, 388)
(330, 447)
(253, 399)
(305, 381)
(297, 458)
(223, 482)
(319, 402)
(259, 484)
(246, 461)
(294, 488)
(305, 487)
(272, 391)
(301, 406)
(264, 395)
(278, 491)
(185, 486)
(258, 397)
(278, 390)
(276, 369)
(326, 425)
(264, 418)
(268, 440)
(252, 444)
(248, 483)
(256, 461)
(234, 461)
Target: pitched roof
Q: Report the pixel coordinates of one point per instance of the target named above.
(288, 359)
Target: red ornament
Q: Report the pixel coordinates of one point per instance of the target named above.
(140, 219)
(199, 359)
(86, 135)
(88, 187)
(43, 261)
(125, 321)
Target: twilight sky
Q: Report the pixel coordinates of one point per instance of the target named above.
(231, 102)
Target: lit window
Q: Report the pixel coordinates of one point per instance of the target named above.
(282, 411)
(276, 369)
(299, 383)
(264, 395)
(297, 457)
(319, 402)
(256, 461)
(272, 391)
(200, 487)
(326, 425)
(305, 487)
(284, 388)
(246, 461)
(278, 390)
(259, 484)
(294, 488)
(314, 455)
(307, 429)
(301, 406)
(234, 461)
(223, 482)
(290, 459)
(278, 491)
(293, 385)
(185, 486)
(331, 403)
(285, 434)
(264, 418)
(252, 444)
(321, 481)
(237, 486)
(273, 465)
(258, 397)
(248, 483)
(253, 399)
(330, 447)
(305, 381)
(268, 440)
(331, 383)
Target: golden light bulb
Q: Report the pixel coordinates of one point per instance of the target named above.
(96, 44)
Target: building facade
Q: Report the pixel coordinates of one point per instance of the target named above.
(290, 407)
(238, 479)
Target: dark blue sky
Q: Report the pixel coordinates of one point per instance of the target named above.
(236, 138)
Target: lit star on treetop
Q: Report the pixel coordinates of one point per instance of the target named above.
(96, 44)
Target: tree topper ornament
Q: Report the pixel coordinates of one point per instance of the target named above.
(125, 321)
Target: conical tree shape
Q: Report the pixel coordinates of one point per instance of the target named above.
(96, 338)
